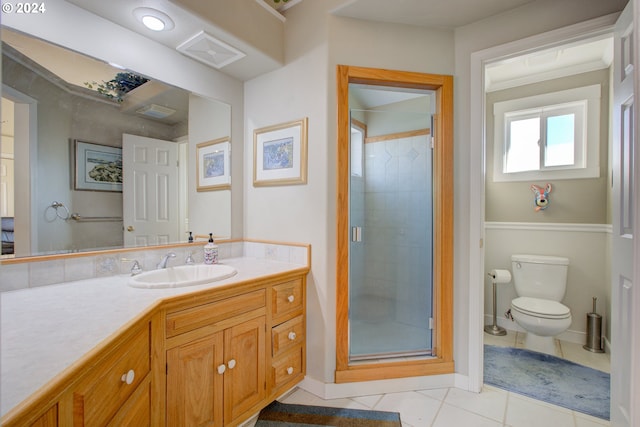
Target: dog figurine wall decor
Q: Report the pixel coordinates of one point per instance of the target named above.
(541, 199)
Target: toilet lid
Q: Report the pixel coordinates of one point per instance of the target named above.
(541, 307)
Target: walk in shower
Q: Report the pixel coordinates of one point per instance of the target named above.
(391, 223)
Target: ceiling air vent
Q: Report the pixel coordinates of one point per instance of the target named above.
(206, 48)
(156, 111)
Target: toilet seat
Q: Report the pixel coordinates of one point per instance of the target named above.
(542, 308)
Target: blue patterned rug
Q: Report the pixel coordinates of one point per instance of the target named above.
(288, 415)
(548, 378)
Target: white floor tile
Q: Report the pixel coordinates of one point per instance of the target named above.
(302, 397)
(584, 420)
(416, 409)
(452, 416)
(454, 407)
(576, 353)
(508, 340)
(523, 412)
(491, 403)
(368, 401)
(438, 393)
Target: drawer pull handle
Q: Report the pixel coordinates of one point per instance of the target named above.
(232, 363)
(292, 336)
(128, 377)
(221, 369)
(290, 298)
(289, 370)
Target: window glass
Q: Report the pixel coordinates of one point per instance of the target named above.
(554, 135)
(523, 153)
(560, 140)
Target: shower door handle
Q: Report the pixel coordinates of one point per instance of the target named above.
(356, 234)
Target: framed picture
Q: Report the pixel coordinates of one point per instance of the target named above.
(280, 154)
(97, 167)
(213, 165)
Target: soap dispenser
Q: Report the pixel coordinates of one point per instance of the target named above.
(211, 251)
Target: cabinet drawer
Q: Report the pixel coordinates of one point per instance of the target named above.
(286, 298)
(110, 383)
(182, 321)
(136, 412)
(287, 367)
(287, 335)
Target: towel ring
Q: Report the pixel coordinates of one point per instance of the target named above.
(60, 205)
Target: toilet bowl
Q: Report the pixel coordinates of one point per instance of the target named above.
(542, 319)
(540, 282)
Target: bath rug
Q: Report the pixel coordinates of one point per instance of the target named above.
(548, 378)
(288, 415)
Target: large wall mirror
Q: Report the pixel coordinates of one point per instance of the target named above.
(51, 118)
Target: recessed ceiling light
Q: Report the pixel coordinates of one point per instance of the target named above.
(153, 19)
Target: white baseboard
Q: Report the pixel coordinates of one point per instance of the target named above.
(576, 337)
(345, 390)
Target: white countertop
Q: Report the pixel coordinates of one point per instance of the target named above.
(45, 330)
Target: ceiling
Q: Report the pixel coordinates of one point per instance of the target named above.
(446, 14)
(426, 13)
(76, 69)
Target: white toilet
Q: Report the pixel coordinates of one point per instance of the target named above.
(540, 283)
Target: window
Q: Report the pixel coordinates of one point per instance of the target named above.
(550, 136)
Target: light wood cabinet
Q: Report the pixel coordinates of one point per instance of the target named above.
(288, 335)
(214, 358)
(215, 379)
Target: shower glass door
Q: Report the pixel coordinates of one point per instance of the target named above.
(391, 216)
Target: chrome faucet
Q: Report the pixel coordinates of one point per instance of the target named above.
(165, 259)
(135, 268)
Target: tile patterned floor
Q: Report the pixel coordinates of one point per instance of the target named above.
(449, 407)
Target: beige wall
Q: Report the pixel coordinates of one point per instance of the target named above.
(571, 200)
(305, 86)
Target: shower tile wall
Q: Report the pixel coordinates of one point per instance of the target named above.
(396, 250)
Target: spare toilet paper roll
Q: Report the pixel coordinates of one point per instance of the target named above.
(501, 276)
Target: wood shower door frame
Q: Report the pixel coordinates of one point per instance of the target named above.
(442, 362)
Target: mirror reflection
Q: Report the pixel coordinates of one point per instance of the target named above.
(60, 135)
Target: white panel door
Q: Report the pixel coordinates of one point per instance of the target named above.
(149, 191)
(622, 291)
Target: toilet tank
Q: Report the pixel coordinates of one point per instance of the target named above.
(540, 276)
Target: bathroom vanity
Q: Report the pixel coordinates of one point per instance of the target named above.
(101, 353)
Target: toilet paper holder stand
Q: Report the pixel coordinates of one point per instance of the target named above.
(494, 329)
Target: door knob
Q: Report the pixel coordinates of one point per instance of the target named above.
(130, 228)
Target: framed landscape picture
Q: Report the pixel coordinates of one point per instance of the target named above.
(213, 165)
(97, 167)
(280, 154)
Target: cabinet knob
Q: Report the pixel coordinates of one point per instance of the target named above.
(290, 370)
(292, 336)
(130, 228)
(128, 377)
(232, 363)
(221, 369)
(290, 298)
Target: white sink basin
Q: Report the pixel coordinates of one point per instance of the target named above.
(183, 275)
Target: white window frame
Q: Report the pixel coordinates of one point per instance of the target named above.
(586, 158)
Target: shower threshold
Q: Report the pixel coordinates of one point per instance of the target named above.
(387, 357)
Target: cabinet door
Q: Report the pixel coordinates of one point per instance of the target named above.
(194, 383)
(49, 419)
(245, 379)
